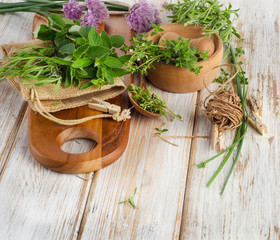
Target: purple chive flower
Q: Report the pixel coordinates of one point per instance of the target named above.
(142, 15)
(97, 13)
(72, 9)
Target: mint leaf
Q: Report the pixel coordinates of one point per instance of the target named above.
(106, 40)
(80, 51)
(57, 20)
(119, 72)
(94, 38)
(124, 58)
(75, 29)
(84, 31)
(67, 48)
(117, 41)
(95, 51)
(44, 33)
(112, 62)
(108, 74)
(82, 63)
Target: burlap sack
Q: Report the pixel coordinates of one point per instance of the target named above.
(64, 98)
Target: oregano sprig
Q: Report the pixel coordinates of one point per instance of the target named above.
(144, 53)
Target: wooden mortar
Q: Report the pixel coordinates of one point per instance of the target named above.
(180, 80)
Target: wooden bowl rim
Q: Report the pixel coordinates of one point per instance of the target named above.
(203, 62)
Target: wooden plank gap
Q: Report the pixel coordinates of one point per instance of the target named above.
(191, 157)
(87, 206)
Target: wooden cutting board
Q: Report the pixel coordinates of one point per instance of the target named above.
(45, 137)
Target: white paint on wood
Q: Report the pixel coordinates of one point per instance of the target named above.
(36, 203)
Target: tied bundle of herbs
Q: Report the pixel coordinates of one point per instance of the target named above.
(74, 53)
(144, 53)
(215, 18)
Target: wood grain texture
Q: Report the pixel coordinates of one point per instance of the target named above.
(37, 203)
(249, 207)
(172, 200)
(12, 28)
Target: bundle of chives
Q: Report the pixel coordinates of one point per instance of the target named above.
(46, 7)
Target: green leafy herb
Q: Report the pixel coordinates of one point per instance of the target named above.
(73, 53)
(160, 131)
(208, 13)
(145, 53)
(151, 101)
(130, 200)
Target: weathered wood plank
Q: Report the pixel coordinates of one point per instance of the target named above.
(37, 203)
(13, 27)
(157, 169)
(248, 208)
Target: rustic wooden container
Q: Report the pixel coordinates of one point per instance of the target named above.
(180, 80)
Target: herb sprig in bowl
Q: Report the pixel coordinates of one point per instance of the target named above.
(151, 102)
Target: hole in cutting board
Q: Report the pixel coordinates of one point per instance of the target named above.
(77, 140)
(78, 145)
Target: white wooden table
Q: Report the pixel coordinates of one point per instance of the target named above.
(172, 199)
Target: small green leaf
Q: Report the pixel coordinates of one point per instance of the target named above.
(67, 48)
(80, 41)
(119, 72)
(95, 51)
(75, 29)
(84, 31)
(58, 84)
(131, 201)
(86, 85)
(106, 40)
(112, 62)
(58, 20)
(44, 33)
(108, 74)
(61, 61)
(94, 38)
(117, 41)
(68, 80)
(124, 58)
(80, 51)
(83, 62)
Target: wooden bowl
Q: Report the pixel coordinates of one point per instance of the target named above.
(180, 80)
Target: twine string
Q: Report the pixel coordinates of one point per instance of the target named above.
(225, 108)
(122, 116)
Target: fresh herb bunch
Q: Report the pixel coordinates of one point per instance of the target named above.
(209, 14)
(145, 53)
(151, 101)
(47, 7)
(79, 53)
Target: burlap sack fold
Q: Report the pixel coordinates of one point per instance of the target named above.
(64, 98)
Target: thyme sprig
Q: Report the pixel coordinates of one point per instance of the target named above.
(151, 101)
(212, 15)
